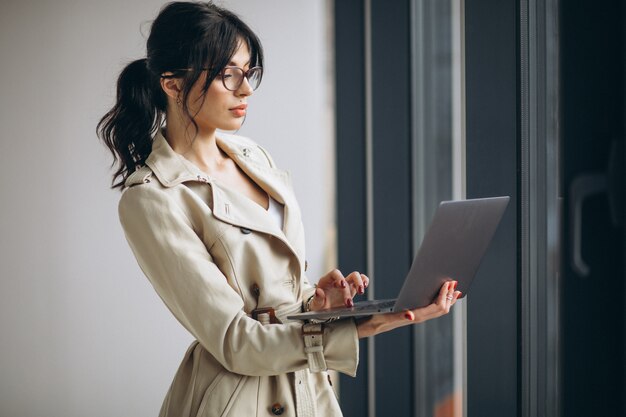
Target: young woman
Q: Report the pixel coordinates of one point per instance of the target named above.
(216, 228)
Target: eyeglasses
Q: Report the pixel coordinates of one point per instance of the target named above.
(232, 77)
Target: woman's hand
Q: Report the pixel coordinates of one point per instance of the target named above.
(381, 323)
(335, 290)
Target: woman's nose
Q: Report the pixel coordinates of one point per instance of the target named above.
(245, 89)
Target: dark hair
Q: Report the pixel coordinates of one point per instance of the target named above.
(184, 38)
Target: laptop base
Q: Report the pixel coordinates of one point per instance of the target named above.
(361, 308)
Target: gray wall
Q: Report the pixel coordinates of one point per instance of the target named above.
(82, 331)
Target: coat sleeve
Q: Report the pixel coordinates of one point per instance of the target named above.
(181, 270)
(308, 290)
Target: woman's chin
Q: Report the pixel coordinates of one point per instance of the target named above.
(224, 127)
(236, 125)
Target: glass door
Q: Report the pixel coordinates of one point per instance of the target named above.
(438, 175)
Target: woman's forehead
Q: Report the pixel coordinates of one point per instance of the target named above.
(241, 57)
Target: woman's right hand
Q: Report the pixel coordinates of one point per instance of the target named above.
(381, 323)
(335, 290)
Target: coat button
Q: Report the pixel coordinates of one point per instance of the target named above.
(246, 152)
(277, 409)
(245, 231)
(255, 290)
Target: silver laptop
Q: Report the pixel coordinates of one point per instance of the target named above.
(453, 248)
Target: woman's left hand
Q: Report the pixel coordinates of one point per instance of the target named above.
(380, 323)
(335, 290)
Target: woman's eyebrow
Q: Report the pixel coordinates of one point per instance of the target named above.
(233, 63)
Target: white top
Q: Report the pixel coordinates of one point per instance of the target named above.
(276, 211)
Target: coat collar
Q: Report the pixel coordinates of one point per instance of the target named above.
(230, 206)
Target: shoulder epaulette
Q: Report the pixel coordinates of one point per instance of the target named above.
(245, 145)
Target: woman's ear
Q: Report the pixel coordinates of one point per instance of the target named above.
(171, 86)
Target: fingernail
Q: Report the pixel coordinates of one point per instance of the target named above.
(365, 284)
(349, 303)
(409, 315)
(455, 283)
(343, 284)
(361, 289)
(460, 294)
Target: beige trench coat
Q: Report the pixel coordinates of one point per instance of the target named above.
(213, 255)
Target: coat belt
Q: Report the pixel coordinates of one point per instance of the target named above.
(269, 315)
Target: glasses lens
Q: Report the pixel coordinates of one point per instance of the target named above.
(254, 77)
(232, 77)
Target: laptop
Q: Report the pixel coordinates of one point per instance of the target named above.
(452, 248)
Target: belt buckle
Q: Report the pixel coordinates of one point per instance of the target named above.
(265, 310)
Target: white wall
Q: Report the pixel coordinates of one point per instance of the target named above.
(82, 332)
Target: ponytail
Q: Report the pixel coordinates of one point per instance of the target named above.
(127, 129)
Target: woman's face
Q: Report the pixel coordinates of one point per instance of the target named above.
(221, 109)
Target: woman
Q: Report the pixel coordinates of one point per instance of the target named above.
(216, 228)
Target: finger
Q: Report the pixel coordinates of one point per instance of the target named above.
(356, 281)
(319, 300)
(341, 283)
(442, 305)
(450, 295)
(366, 280)
(348, 293)
(327, 280)
(338, 279)
(443, 293)
(457, 295)
(393, 320)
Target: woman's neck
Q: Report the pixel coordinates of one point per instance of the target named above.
(202, 150)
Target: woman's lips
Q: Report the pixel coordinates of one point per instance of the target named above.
(239, 111)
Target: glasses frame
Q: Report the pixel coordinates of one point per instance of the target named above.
(245, 76)
(221, 74)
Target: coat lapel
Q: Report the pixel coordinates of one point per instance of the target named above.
(229, 205)
(276, 182)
